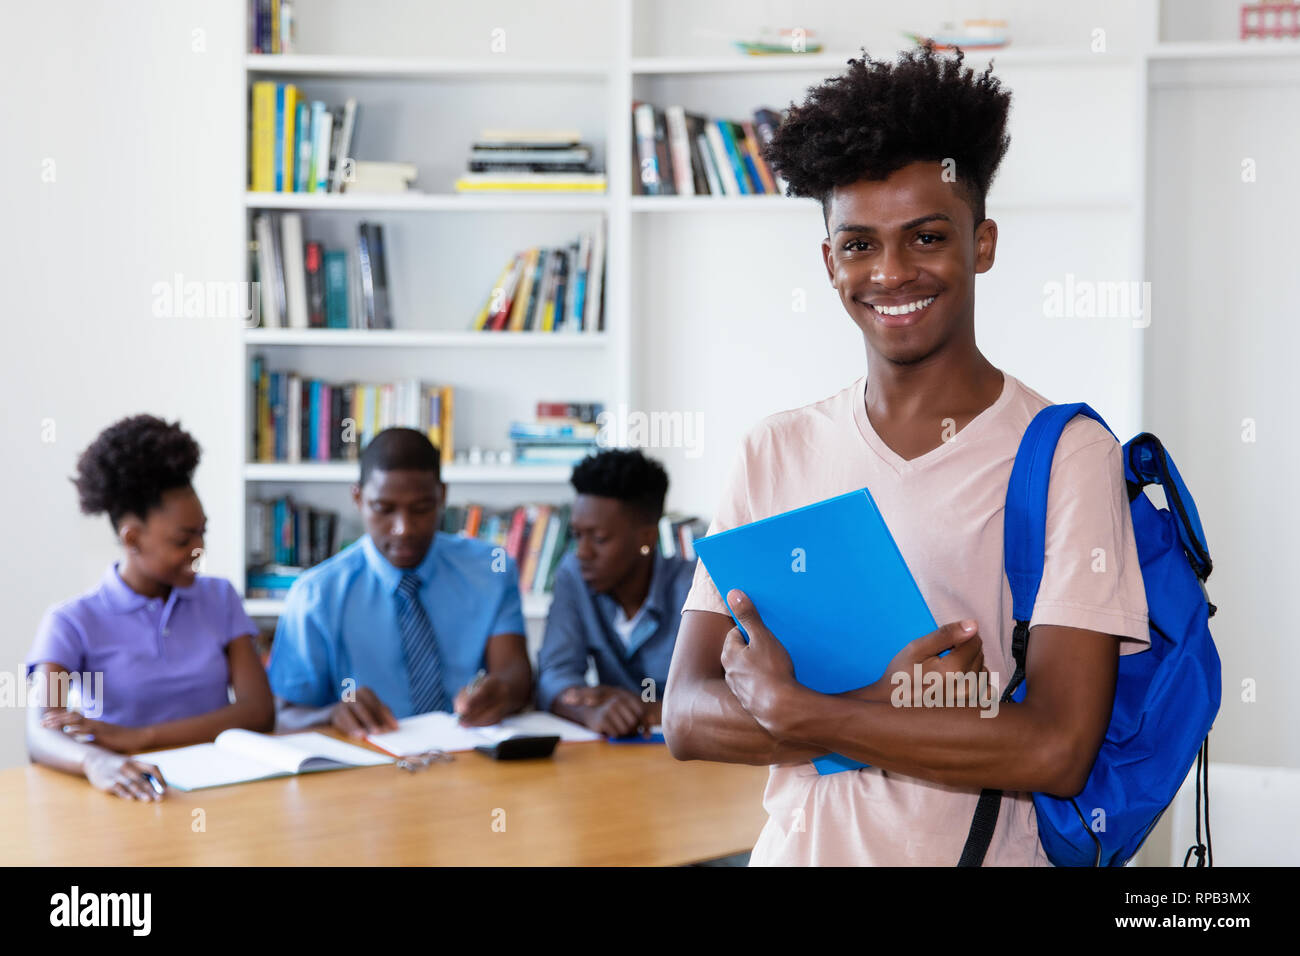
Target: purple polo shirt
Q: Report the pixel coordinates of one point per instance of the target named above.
(160, 660)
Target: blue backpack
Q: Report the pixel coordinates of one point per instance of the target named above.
(1166, 697)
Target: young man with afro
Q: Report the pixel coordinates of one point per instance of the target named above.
(901, 157)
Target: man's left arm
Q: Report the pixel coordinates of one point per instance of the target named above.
(1046, 743)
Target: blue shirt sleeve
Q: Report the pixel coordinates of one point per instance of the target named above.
(299, 669)
(509, 618)
(562, 661)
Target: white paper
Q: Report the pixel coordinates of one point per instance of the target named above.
(442, 731)
(238, 756)
(205, 765)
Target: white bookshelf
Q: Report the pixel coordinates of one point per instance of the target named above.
(432, 341)
(425, 202)
(397, 338)
(669, 328)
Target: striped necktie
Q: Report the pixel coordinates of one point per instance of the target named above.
(420, 647)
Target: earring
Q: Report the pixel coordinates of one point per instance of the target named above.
(645, 549)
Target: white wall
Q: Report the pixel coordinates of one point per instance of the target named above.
(147, 183)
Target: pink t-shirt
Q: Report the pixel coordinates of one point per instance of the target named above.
(945, 511)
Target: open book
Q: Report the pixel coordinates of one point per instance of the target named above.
(237, 756)
(440, 730)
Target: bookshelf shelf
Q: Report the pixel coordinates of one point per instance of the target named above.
(453, 473)
(1245, 49)
(417, 68)
(429, 202)
(826, 63)
(758, 203)
(767, 203)
(384, 338)
(536, 606)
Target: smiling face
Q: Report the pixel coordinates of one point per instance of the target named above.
(401, 510)
(165, 545)
(903, 254)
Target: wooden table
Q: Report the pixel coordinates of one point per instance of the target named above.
(590, 804)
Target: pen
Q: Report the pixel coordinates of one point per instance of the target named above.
(153, 782)
(477, 682)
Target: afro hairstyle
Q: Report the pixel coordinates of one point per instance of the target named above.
(878, 117)
(626, 474)
(131, 463)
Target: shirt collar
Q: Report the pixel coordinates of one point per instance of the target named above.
(390, 576)
(654, 598)
(122, 599)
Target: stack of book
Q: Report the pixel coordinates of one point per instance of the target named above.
(371, 177)
(296, 146)
(563, 434)
(271, 26)
(295, 419)
(676, 153)
(530, 161)
(535, 535)
(303, 285)
(284, 539)
(549, 290)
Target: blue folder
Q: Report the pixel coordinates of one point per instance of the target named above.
(828, 580)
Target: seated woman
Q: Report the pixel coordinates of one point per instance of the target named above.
(146, 659)
(617, 599)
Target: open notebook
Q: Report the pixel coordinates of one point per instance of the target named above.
(237, 756)
(440, 730)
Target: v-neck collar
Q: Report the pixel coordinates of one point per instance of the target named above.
(902, 465)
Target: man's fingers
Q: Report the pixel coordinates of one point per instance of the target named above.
(386, 715)
(964, 655)
(746, 613)
(346, 721)
(732, 644)
(950, 635)
(627, 718)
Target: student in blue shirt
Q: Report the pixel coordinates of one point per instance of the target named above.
(617, 600)
(405, 620)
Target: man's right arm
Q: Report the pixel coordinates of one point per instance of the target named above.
(300, 674)
(702, 719)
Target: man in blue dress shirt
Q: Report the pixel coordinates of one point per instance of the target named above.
(406, 620)
(617, 600)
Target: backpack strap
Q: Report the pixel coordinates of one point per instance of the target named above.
(1147, 462)
(1024, 537)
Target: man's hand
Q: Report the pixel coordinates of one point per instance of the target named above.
(124, 740)
(123, 777)
(967, 657)
(760, 674)
(367, 714)
(612, 711)
(485, 704)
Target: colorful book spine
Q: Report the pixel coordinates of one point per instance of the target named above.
(262, 138)
(302, 147)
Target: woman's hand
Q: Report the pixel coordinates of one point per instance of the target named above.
(123, 777)
(109, 736)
